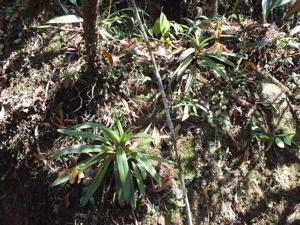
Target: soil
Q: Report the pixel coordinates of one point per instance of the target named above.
(231, 177)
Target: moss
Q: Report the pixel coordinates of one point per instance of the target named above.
(174, 217)
(186, 147)
(55, 43)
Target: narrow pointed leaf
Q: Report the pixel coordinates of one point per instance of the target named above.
(185, 54)
(82, 134)
(182, 67)
(61, 180)
(149, 168)
(79, 149)
(123, 170)
(139, 179)
(222, 59)
(66, 19)
(158, 159)
(279, 142)
(95, 183)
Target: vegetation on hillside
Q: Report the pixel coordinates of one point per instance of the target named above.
(149, 112)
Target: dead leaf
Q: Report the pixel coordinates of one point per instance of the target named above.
(14, 17)
(73, 174)
(124, 44)
(108, 57)
(80, 176)
(251, 65)
(2, 113)
(161, 220)
(177, 129)
(39, 95)
(155, 134)
(63, 173)
(78, 40)
(294, 9)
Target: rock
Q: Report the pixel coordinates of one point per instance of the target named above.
(1, 47)
(272, 96)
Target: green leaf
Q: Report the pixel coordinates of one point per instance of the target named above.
(294, 45)
(120, 128)
(145, 163)
(158, 159)
(287, 140)
(161, 26)
(211, 64)
(259, 44)
(74, 2)
(182, 67)
(139, 179)
(222, 59)
(83, 165)
(185, 54)
(111, 135)
(133, 201)
(65, 19)
(295, 30)
(142, 170)
(186, 114)
(164, 24)
(95, 183)
(264, 137)
(279, 142)
(63, 6)
(82, 134)
(144, 139)
(123, 170)
(86, 125)
(278, 3)
(118, 185)
(270, 144)
(61, 180)
(79, 149)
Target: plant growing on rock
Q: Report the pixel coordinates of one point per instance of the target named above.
(116, 151)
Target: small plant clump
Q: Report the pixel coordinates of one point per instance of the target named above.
(116, 150)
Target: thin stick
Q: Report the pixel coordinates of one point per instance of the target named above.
(168, 115)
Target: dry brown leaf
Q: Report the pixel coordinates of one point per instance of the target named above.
(39, 95)
(161, 220)
(63, 173)
(108, 57)
(155, 133)
(124, 44)
(2, 113)
(80, 176)
(177, 129)
(294, 9)
(14, 17)
(73, 175)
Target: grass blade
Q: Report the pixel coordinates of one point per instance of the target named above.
(182, 67)
(95, 183)
(158, 159)
(79, 149)
(82, 134)
(139, 179)
(149, 168)
(123, 170)
(61, 180)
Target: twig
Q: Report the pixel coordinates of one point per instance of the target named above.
(167, 109)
